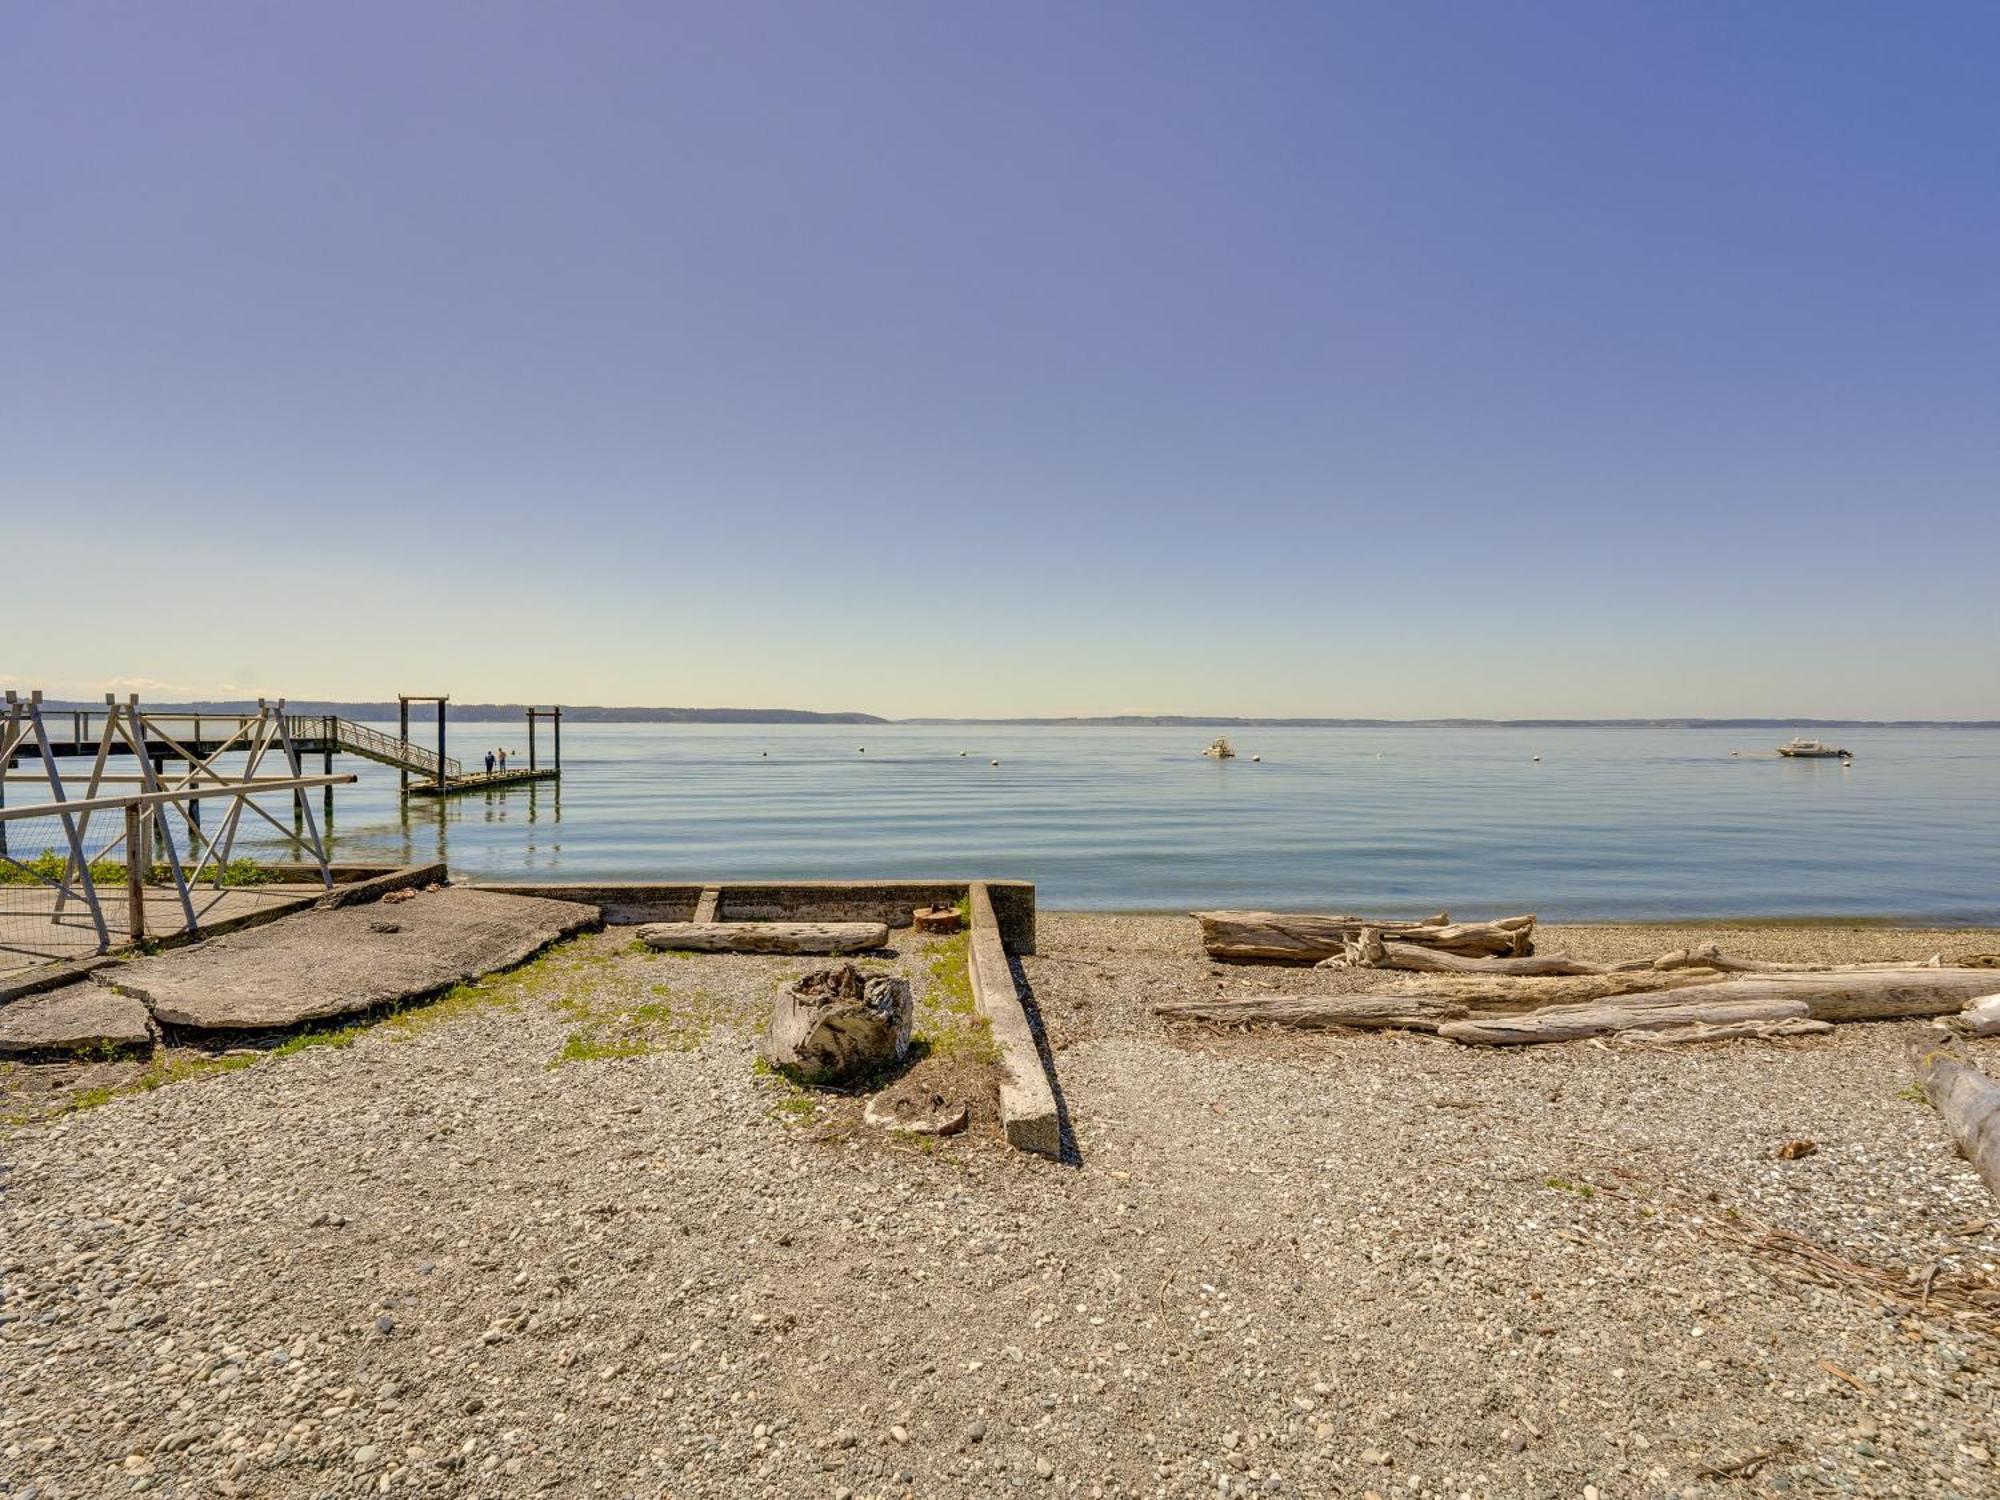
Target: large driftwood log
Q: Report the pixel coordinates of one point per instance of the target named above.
(1306, 937)
(1726, 1031)
(1968, 1100)
(1370, 950)
(1320, 1012)
(1828, 995)
(1570, 1023)
(837, 1025)
(765, 937)
(1502, 995)
(1710, 956)
(1980, 1017)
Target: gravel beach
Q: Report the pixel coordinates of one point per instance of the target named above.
(556, 1234)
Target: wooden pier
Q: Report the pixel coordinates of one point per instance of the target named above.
(197, 738)
(482, 781)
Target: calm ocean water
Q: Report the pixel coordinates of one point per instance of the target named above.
(1610, 823)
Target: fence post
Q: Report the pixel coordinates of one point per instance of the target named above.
(135, 874)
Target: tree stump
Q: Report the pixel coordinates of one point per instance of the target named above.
(836, 1025)
(937, 919)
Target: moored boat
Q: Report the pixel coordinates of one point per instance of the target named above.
(1219, 749)
(1804, 749)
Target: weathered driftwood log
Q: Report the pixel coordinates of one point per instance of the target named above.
(1673, 1014)
(1968, 1100)
(1710, 956)
(1320, 1012)
(1826, 995)
(1727, 1031)
(765, 937)
(837, 1025)
(1980, 1017)
(1861, 994)
(1370, 950)
(1271, 937)
(1502, 995)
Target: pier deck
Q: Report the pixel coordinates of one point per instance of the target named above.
(482, 781)
(77, 733)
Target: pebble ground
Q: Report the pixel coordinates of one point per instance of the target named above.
(440, 1259)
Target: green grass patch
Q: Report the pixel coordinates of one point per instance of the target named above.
(49, 867)
(948, 1022)
(621, 1012)
(1564, 1185)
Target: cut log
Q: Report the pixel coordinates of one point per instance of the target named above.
(936, 919)
(1320, 1012)
(1307, 937)
(1370, 950)
(765, 937)
(1668, 1013)
(838, 1025)
(1979, 1018)
(1968, 1100)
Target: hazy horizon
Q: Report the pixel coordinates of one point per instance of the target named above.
(1359, 361)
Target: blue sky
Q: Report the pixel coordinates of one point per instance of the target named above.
(1386, 359)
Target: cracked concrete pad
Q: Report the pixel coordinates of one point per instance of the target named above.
(79, 1017)
(320, 964)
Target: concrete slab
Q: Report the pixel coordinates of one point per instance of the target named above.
(1027, 1100)
(326, 963)
(79, 1017)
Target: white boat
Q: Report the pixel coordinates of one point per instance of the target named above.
(1219, 749)
(1804, 749)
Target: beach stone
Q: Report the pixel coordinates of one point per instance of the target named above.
(919, 1112)
(332, 963)
(80, 1017)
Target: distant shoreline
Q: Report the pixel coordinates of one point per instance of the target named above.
(479, 713)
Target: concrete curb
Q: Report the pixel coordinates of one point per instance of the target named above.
(1027, 1101)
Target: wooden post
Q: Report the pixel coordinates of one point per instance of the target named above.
(531, 739)
(441, 703)
(403, 712)
(559, 739)
(135, 874)
(326, 764)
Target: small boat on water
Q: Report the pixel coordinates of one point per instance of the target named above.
(1803, 749)
(1219, 749)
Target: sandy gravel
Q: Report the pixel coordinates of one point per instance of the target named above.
(429, 1261)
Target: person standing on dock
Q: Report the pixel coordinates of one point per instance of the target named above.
(503, 758)
(489, 762)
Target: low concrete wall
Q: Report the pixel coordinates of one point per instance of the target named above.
(623, 902)
(343, 874)
(375, 887)
(1027, 1099)
(890, 901)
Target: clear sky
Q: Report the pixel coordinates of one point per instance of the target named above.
(1392, 359)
